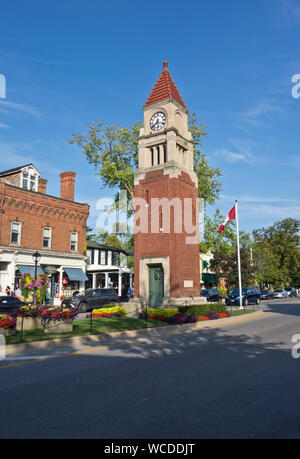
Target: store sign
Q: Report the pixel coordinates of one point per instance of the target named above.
(50, 270)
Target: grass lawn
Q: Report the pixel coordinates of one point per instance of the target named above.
(240, 312)
(105, 325)
(83, 328)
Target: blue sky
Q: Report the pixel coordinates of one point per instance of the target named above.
(68, 63)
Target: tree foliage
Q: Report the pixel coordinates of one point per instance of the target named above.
(276, 253)
(113, 152)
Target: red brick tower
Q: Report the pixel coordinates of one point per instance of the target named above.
(166, 208)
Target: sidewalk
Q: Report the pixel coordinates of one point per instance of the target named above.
(69, 344)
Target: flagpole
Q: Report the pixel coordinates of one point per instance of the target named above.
(238, 251)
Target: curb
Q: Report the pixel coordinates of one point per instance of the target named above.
(11, 349)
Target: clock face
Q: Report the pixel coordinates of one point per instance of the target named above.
(158, 121)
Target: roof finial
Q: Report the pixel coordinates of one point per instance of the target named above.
(165, 64)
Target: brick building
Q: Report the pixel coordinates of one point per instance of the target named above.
(166, 247)
(31, 220)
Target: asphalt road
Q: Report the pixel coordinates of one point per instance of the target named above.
(236, 381)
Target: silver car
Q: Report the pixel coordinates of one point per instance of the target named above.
(280, 293)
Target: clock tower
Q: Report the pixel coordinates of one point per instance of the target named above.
(166, 248)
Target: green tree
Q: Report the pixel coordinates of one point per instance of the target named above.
(209, 184)
(113, 152)
(225, 265)
(112, 240)
(276, 252)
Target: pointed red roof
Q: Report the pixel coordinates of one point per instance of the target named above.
(164, 88)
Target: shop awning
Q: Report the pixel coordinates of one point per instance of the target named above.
(76, 274)
(24, 269)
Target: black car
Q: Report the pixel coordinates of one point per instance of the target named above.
(291, 291)
(91, 299)
(266, 295)
(250, 295)
(9, 303)
(212, 294)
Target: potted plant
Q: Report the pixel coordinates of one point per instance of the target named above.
(7, 325)
(28, 318)
(58, 319)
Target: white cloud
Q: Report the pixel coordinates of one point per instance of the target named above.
(291, 9)
(17, 154)
(270, 211)
(257, 115)
(233, 157)
(239, 151)
(258, 199)
(5, 104)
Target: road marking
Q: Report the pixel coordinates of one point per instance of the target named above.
(112, 346)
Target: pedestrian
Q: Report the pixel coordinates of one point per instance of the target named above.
(124, 293)
(8, 291)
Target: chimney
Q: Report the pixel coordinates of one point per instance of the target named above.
(67, 182)
(42, 185)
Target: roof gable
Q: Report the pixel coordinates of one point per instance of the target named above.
(15, 170)
(164, 89)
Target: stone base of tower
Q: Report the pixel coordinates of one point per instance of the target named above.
(183, 301)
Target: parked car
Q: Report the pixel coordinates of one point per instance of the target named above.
(291, 291)
(10, 303)
(266, 295)
(91, 298)
(212, 294)
(250, 295)
(280, 293)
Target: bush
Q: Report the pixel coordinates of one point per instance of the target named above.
(161, 314)
(202, 309)
(212, 315)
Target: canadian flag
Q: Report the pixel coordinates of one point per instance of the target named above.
(230, 216)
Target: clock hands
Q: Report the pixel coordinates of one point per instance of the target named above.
(156, 122)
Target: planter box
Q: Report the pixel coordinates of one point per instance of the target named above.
(29, 323)
(66, 326)
(7, 331)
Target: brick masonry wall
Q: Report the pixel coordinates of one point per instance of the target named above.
(36, 210)
(184, 258)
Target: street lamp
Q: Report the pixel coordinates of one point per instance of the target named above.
(36, 258)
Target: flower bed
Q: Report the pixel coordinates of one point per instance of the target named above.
(182, 315)
(57, 314)
(28, 318)
(7, 325)
(116, 311)
(27, 311)
(7, 321)
(58, 319)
